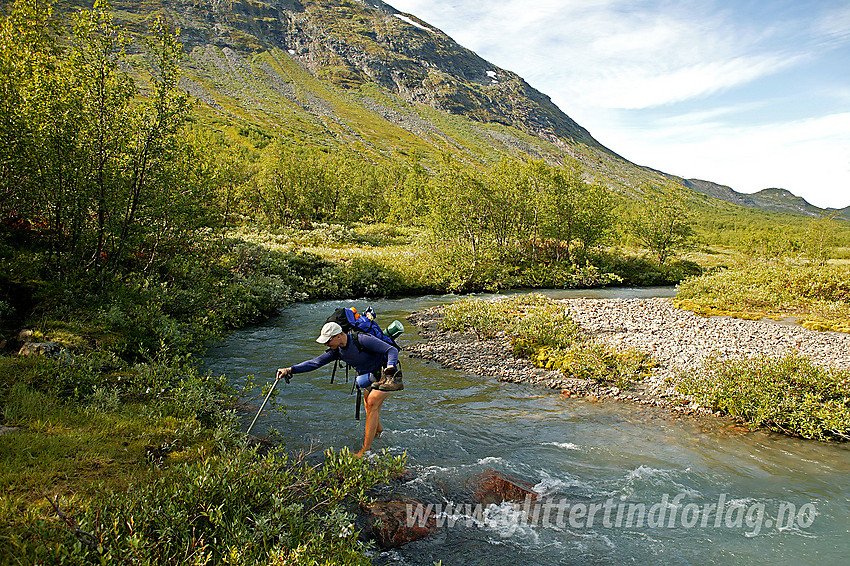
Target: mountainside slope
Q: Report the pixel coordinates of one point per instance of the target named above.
(381, 83)
(351, 44)
(361, 75)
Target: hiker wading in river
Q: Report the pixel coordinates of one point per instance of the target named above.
(376, 363)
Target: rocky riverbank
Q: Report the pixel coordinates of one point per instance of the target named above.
(679, 341)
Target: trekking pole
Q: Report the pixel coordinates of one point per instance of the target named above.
(263, 405)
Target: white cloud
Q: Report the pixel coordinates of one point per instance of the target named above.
(835, 25)
(647, 85)
(606, 53)
(615, 66)
(810, 158)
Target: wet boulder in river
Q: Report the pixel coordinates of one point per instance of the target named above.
(492, 487)
(397, 522)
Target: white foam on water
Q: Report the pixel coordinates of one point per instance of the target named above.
(549, 485)
(580, 538)
(423, 475)
(663, 478)
(508, 521)
(645, 472)
(564, 445)
(742, 502)
(434, 470)
(422, 432)
(490, 460)
(391, 555)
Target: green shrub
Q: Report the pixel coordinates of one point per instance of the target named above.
(562, 276)
(532, 321)
(547, 326)
(788, 394)
(75, 380)
(381, 234)
(235, 508)
(643, 272)
(595, 361)
(103, 399)
(486, 318)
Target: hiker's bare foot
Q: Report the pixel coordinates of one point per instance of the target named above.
(378, 433)
(360, 453)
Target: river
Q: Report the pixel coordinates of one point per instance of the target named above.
(618, 483)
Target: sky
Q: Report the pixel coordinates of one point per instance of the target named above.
(752, 94)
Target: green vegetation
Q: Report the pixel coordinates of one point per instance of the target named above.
(124, 406)
(663, 224)
(542, 331)
(136, 226)
(233, 507)
(102, 174)
(766, 235)
(111, 244)
(523, 221)
(817, 294)
(789, 395)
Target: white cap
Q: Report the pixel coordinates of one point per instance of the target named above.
(329, 330)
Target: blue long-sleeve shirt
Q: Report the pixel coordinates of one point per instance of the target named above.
(372, 355)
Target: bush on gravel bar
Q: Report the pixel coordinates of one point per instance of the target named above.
(789, 394)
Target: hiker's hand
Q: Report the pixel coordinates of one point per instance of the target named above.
(390, 370)
(285, 373)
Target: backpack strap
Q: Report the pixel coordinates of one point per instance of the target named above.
(336, 365)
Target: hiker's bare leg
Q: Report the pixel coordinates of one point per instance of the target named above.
(380, 428)
(373, 401)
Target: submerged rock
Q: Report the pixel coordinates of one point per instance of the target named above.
(397, 522)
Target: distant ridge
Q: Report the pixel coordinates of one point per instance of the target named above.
(772, 200)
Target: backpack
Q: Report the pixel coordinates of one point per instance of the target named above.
(353, 322)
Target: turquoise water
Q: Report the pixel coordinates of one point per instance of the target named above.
(601, 459)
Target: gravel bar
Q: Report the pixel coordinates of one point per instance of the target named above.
(678, 340)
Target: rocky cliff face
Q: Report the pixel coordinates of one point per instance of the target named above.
(350, 43)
